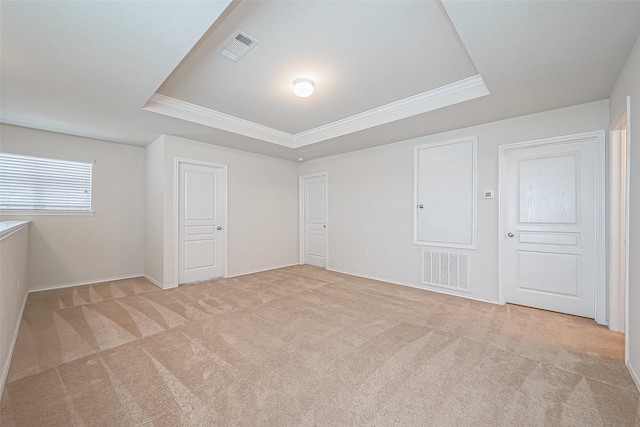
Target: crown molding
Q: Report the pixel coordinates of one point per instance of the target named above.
(444, 96)
(178, 109)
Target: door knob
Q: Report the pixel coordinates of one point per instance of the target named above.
(219, 228)
(421, 206)
(510, 234)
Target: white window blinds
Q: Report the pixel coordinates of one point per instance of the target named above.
(38, 183)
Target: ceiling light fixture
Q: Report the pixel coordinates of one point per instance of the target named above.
(303, 87)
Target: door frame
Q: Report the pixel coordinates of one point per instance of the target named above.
(600, 303)
(176, 215)
(301, 221)
(619, 231)
(625, 112)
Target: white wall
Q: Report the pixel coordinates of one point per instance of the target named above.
(628, 84)
(71, 249)
(262, 208)
(154, 205)
(371, 198)
(13, 292)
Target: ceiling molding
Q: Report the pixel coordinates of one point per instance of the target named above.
(454, 93)
(444, 96)
(178, 109)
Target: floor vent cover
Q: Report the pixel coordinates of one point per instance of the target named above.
(237, 46)
(448, 269)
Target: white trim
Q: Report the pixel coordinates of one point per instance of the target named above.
(176, 108)
(627, 242)
(616, 275)
(413, 285)
(176, 216)
(91, 282)
(301, 228)
(598, 137)
(154, 281)
(260, 270)
(634, 375)
(502, 266)
(600, 297)
(301, 238)
(7, 364)
(7, 228)
(474, 234)
(444, 96)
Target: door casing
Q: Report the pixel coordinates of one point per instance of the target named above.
(618, 238)
(600, 220)
(176, 216)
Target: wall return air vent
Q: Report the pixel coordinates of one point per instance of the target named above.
(237, 46)
(448, 269)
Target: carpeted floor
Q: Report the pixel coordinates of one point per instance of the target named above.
(303, 346)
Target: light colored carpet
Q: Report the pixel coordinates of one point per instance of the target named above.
(303, 346)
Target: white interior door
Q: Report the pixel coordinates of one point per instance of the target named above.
(550, 217)
(200, 221)
(314, 211)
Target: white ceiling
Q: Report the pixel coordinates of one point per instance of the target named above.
(384, 71)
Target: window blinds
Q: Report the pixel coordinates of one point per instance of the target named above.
(37, 183)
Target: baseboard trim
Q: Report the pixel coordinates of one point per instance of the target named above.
(92, 282)
(5, 368)
(154, 281)
(634, 375)
(412, 285)
(262, 270)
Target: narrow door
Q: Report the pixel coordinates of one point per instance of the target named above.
(551, 226)
(314, 199)
(200, 222)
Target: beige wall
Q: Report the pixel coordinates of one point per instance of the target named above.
(71, 249)
(262, 208)
(628, 84)
(371, 198)
(13, 293)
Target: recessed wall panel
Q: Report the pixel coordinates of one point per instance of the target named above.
(446, 194)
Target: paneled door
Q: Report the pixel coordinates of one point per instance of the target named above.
(314, 219)
(550, 215)
(200, 221)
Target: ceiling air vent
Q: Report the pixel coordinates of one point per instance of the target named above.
(237, 46)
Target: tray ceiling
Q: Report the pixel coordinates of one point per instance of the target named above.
(384, 71)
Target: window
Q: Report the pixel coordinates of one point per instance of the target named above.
(41, 184)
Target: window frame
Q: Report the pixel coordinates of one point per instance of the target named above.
(53, 212)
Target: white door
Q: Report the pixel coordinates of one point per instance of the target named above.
(314, 211)
(200, 221)
(550, 216)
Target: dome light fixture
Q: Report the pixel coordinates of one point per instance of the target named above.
(303, 87)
